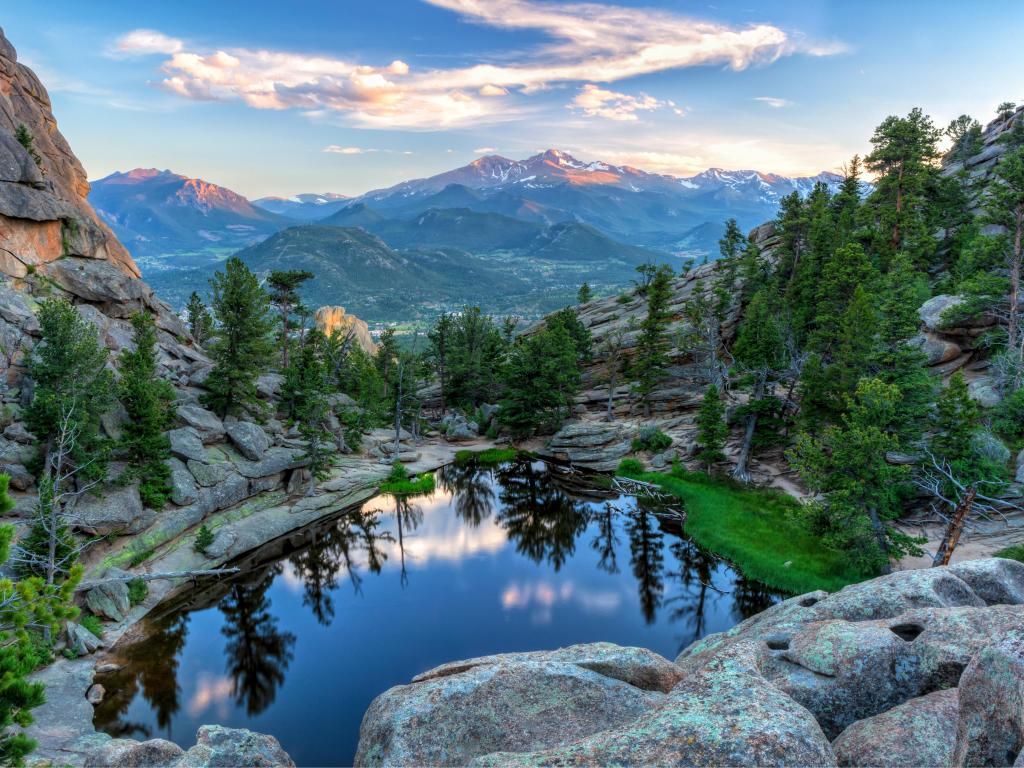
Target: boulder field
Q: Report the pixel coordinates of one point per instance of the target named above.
(915, 668)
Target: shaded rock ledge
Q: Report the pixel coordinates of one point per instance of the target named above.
(915, 668)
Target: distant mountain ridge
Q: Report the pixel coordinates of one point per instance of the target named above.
(310, 206)
(156, 212)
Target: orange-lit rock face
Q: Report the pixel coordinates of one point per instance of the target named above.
(24, 243)
(329, 319)
(38, 208)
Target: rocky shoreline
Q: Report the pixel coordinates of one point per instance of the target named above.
(916, 668)
(64, 727)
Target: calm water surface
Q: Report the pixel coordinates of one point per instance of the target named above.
(511, 559)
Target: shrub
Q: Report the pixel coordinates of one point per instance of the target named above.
(204, 538)
(138, 591)
(1016, 552)
(651, 439)
(410, 486)
(138, 558)
(628, 467)
(398, 472)
(93, 624)
(1008, 419)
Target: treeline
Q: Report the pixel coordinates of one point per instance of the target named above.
(826, 352)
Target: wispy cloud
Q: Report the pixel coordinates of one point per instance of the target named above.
(773, 102)
(595, 101)
(588, 43)
(484, 150)
(334, 149)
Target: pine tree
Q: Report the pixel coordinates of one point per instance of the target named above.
(475, 356)
(72, 384)
(955, 423)
(439, 340)
(903, 161)
(200, 324)
(284, 297)
(241, 348)
(711, 428)
(30, 611)
(760, 352)
(25, 138)
(651, 358)
(1005, 207)
(307, 385)
(584, 294)
(541, 378)
(149, 403)
(964, 135)
(861, 492)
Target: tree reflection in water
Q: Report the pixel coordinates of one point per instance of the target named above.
(258, 651)
(542, 510)
(333, 552)
(541, 519)
(471, 489)
(153, 667)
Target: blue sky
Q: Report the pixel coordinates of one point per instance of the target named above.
(344, 96)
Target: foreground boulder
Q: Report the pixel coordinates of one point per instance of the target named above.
(215, 746)
(915, 668)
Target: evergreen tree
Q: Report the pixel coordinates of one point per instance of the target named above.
(241, 348)
(584, 294)
(387, 355)
(149, 403)
(475, 357)
(30, 612)
(711, 428)
(964, 134)
(284, 297)
(759, 352)
(842, 272)
(439, 340)
(1005, 207)
(73, 387)
(955, 423)
(25, 138)
(305, 390)
(903, 161)
(200, 324)
(651, 358)
(541, 378)
(861, 492)
(732, 241)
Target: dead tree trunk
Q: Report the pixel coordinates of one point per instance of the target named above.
(954, 529)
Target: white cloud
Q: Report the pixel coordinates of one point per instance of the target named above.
(774, 102)
(485, 150)
(595, 101)
(143, 42)
(334, 149)
(587, 43)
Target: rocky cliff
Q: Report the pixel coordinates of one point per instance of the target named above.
(916, 668)
(330, 319)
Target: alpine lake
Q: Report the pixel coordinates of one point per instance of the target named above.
(520, 556)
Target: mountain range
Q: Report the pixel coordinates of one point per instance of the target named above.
(515, 226)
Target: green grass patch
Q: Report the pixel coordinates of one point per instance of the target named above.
(138, 590)
(1016, 552)
(755, 530)
(410, 486)
(92, 623)
(490, 456)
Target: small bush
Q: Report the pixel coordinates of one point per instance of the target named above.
(489, 457)
(398, 472)
(651, 439)
(138, 591)
(623, 298)
(1016, 552)
(1008, 419)
(93, 624)
(138, 558)
(409, 487)
(630, 467)
(204, 538)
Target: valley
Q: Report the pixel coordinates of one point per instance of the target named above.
(513, 237)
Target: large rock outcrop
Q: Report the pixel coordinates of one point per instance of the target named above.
(330, 319)
(916, 668)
